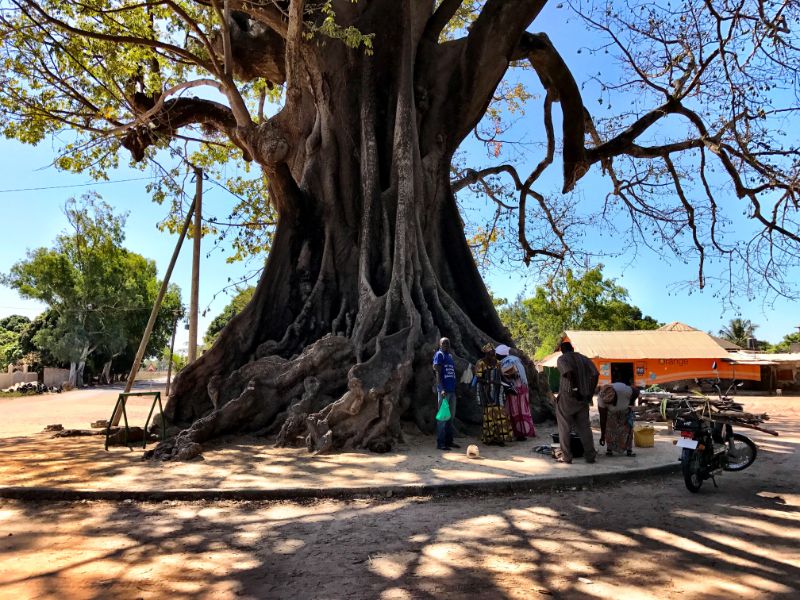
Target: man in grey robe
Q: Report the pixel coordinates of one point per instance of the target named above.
(579, 378)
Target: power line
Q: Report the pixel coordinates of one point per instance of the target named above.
(76, 185)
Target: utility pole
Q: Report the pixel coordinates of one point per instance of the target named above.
(171, 351)
(137, 361)
(197, 232)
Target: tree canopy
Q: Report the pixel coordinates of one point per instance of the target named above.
(696, 111)
(10, 349)
(99, 294)
(585, 301)
(785, 345)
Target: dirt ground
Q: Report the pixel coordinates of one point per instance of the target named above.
(643, 539)
(28, 415)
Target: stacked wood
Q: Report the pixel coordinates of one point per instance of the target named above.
(656, 407)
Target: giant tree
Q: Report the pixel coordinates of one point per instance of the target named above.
(368, 263)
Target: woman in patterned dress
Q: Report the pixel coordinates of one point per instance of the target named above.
(496, 426)
(619, 423)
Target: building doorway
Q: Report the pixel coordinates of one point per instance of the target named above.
(622, 372)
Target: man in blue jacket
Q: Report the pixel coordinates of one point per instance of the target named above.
(445, 369)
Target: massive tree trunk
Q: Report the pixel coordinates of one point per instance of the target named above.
(369, 265)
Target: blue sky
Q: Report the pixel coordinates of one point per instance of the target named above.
(32, 219)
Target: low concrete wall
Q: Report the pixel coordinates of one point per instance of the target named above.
(55, 377)
(9, 379)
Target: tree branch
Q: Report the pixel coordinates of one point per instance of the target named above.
(224, 19)
(120, 39)
(623, 143)
(472, 176)
(439, 19)
(178, 113)
(293, 42)
(690, 220)
(484, 57)
(561, 87)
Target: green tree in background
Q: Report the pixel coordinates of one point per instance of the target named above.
(15, 323)
(10, 330)
(35, 356)
(587, 301)
(179, 361)
(234, 307)
(785, 345)
(99, 294)
(739, 331)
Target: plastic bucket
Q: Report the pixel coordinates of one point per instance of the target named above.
(644, 436)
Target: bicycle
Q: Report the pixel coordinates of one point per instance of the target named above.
(715, 385)
(731, 391)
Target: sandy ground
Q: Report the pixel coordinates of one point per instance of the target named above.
(643, 539)
(30, 458)
(253, 463)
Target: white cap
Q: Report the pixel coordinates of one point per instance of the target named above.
(502, 350)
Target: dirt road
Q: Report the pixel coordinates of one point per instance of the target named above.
(27, 415)
(647, 539)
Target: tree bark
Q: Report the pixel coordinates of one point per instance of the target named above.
(105, 375)
(369, 265)
(73, 373)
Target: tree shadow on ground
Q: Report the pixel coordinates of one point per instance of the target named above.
(639, 539)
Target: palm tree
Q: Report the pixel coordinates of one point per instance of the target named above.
(739, 331)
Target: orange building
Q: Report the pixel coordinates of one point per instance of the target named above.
(673, 353)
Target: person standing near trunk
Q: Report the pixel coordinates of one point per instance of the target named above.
(518, 405)
(445, 369)
(579, 378)
(496, 428)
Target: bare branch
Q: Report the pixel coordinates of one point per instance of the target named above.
(472, 176)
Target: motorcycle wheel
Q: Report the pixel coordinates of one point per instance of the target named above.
(690, 465)
(742, 454)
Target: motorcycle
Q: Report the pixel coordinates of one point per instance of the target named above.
(710, 447)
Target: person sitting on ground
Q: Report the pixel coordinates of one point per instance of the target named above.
(619, 425)
(496, 425)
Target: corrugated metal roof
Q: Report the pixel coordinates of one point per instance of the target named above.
(764, 358)
(727, 344)
(745, 358)
(657, 343)
(549, 361)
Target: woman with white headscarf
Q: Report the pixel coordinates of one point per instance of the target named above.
(517, 404)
